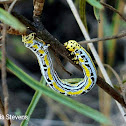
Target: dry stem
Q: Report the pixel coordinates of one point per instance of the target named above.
(118, 36)
(103, 71)
(113, 9)
(43, 34)
(38, 7)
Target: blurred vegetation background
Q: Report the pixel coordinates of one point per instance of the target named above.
(60, 22)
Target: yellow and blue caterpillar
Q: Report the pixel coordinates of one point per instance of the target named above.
(81, 56)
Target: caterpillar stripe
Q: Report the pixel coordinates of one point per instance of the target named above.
(81, 57)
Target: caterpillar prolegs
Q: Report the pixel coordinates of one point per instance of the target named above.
(81, 57)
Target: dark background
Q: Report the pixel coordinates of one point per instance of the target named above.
(59, 21)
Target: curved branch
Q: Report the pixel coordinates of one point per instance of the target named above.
(38, 7)
(43, 34)
(113, 9)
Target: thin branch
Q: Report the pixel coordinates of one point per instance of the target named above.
(118, 36)
(96, 56)
(6, 1)
(103, 71)
(11, 30)
(5, 6)
(3, 70)
(59, 48)
(114, 94)
(38, 7)
(103, 96)
(113, 9)
(115, 73)
(2, 107)
(1, 38)
(12, 5)
(43, 34)
(110, 91)
(119, 81)
(58, 61)
(3, 74)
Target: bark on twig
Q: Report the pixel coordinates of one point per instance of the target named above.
(3, 69)
(38, 7)
(3, 74)
(113, 9)
(11, 30)
(118, 36)
(112, 92)
(6, 1)
(43, 34)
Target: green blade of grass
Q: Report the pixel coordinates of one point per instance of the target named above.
(82, 12)
(31, 107)
(95, 3)
(79, 107)
(97, 13)
(124, 81)
(33, 104)
(10, 20)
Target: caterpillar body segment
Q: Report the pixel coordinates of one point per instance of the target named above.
(81, 56)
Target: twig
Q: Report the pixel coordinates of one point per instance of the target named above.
(2, 107)
(75, 13)
(38, 7)
(59, 63)
(11, 30)
(43, 34)
(3, 70)
(103, 71)
(103, 96)
(114, 94)
(119, 81)
(115, 73)
(12, 5)
(59, 48)
(113, 9)
(118, 36)
(3, 73)
(110, 91)
(5, 6)
(6, 1)
(1, 38)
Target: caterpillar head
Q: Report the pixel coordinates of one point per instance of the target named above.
(28, 38)
(71, 45)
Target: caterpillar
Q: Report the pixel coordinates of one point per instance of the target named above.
(81, 57)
